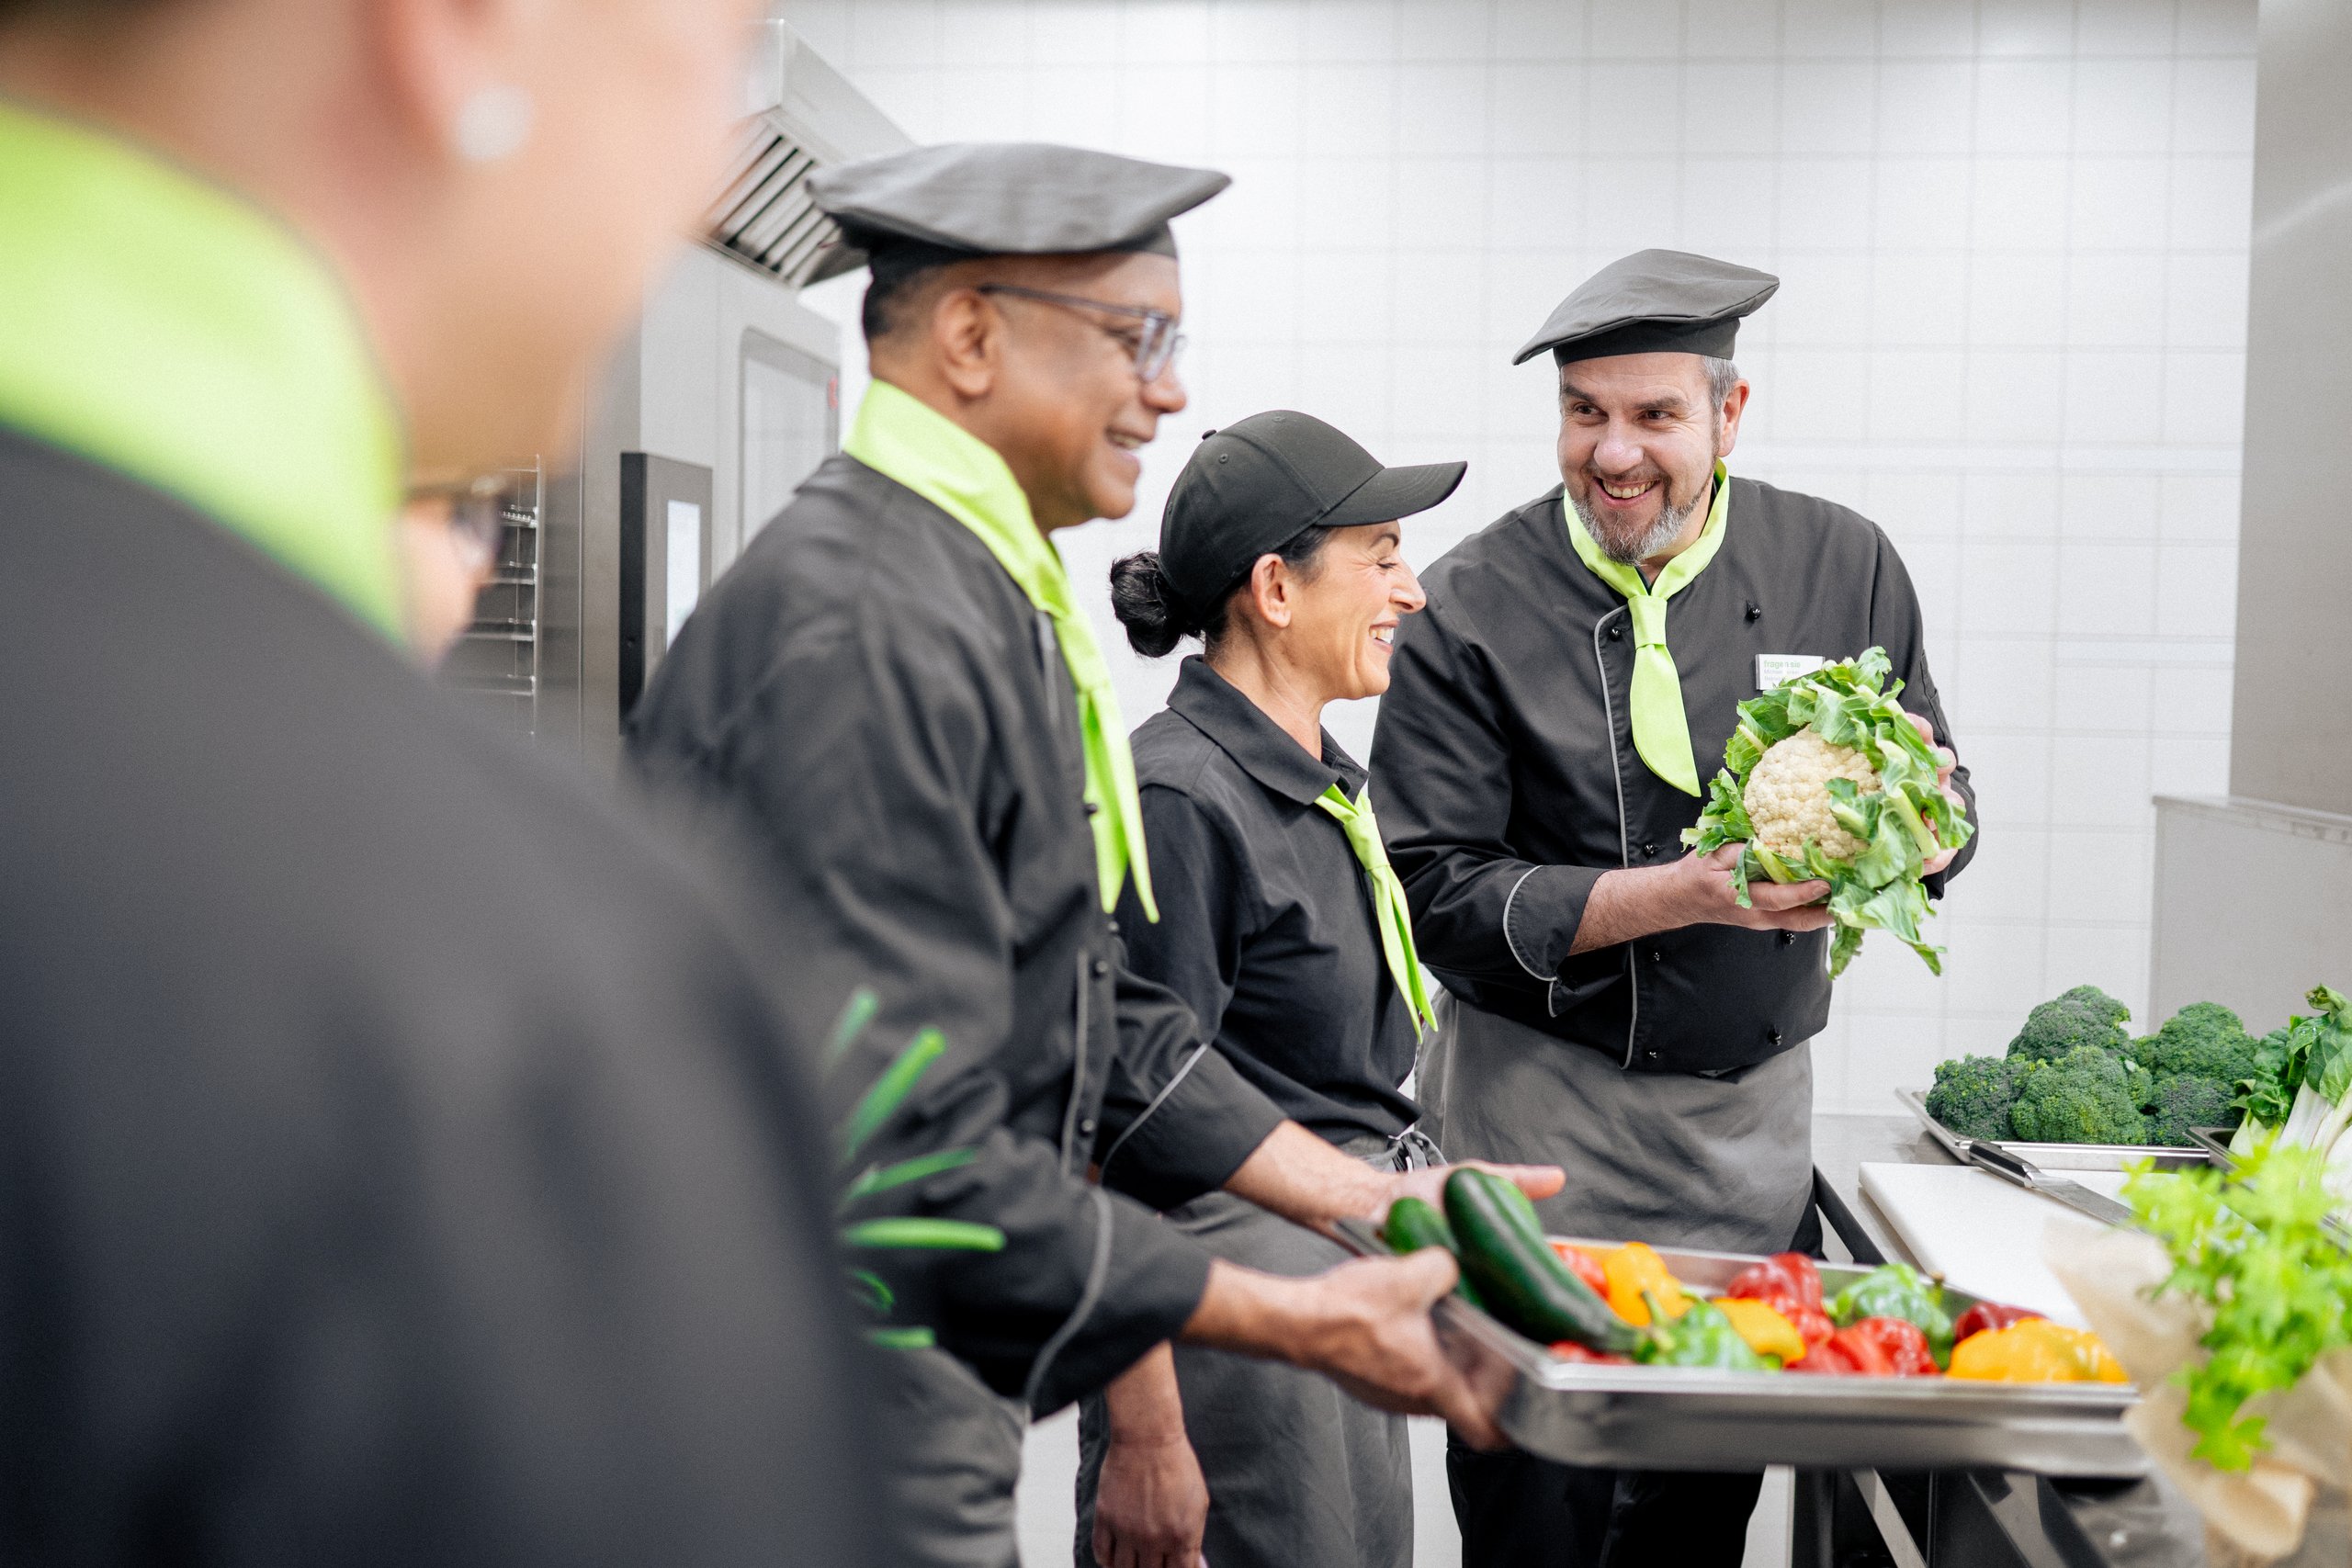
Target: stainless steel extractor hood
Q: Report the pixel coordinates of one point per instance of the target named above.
(802, 116)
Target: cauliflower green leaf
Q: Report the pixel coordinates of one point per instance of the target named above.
(1852, 801)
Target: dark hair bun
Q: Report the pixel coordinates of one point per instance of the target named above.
(1145, 604)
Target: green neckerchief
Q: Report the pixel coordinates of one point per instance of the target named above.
(1387, 900)
(1661, 730)
(899, 435)
(157, 326)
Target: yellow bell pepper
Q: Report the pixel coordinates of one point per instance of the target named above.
(1635, 1267)
(1766, 1331)
(2036, 1351)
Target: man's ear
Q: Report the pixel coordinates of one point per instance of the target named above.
(1727, 428)
(967, 341)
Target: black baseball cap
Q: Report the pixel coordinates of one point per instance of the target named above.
(1254, 485)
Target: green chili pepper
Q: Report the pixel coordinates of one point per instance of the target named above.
(1897, 1290)
(1703, 1337)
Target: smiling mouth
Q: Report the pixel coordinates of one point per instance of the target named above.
(1125, 442)
(1385, 635)
(1627, 491)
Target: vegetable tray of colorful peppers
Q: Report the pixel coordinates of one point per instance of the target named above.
(1628, 1355)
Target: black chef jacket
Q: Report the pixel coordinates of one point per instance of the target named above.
(872, 699)
(401, 1158)
(1504, 767)
(1266, 923)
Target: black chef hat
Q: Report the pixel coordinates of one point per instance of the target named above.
(934, 205)
(1653, 302)
(1254, 485)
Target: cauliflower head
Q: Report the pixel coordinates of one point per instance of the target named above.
(1827, 778)
(1788, 801)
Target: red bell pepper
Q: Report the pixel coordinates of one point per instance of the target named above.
(1790, 1284)
(1986, 1316)
(1570, 1351)
(1873, 1348)
(1902, 1342)
(1783, 1281)
(1588, 1267)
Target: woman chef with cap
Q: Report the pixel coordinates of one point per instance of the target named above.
(1283, 928)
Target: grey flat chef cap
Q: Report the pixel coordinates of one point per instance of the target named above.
(934, 205)
(1653, 302)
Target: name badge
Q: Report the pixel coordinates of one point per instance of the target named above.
(1771, 669)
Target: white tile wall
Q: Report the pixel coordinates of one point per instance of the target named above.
(2013, 236)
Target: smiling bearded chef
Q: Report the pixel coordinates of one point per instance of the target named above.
(1539, 752)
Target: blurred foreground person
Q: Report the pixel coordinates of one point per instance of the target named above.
(400, 1161)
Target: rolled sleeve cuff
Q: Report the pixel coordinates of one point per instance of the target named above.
(1194, 1137)
(1152, 1281)
(1541, 914)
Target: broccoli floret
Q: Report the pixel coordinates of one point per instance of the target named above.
(2204, 1039)
(2085, 1097)
(2185, 1100)
(2083, 1016)
(1971, 1095)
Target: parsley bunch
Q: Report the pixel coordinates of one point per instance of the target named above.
(2253, 1246)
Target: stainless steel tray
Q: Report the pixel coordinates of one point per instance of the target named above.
(1685, 1418)
(2055, 1157)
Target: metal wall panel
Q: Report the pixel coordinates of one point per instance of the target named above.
(2291, 725)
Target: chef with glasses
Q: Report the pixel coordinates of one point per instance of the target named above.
(897, 699)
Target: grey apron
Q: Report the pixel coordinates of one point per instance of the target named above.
(1300, 1475)
(1668, 1158)
(957, 1459)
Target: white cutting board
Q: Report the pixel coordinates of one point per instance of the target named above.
(1981, 1233)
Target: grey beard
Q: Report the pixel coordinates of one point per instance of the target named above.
(1670, 522)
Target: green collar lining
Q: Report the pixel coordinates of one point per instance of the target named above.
(157, 326)
(898, 434)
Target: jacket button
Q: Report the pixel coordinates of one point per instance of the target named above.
(1093, 808)
(1649, 1055)
(1773, 1035)
(1086, 1126)
(1102, 967)
(1788, 938)
(1616, 631)
(1755, 610)
(1649, 851)
(1115, 928)
(1655, 956)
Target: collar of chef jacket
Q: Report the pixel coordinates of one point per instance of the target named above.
(1259, 746)
(157, 326)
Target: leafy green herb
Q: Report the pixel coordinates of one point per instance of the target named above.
(2253, 1246)
(1893, 828)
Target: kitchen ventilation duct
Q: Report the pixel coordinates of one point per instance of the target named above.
(802, 116)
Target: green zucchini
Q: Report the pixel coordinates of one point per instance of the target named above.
(1504, 1255)
(1413, 1224)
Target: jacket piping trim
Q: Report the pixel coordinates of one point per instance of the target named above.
(1097, 1274)
(1077, 1074)
(1157, 1101)
(1510, 899)
(1624, 845)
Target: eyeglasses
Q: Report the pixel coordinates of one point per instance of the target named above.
(477, 522)
(1155, 346)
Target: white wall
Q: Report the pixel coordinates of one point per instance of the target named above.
(2013, 235)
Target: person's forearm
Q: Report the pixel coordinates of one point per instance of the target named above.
(1144, 1402)
(1305, 1181)
(1626, 904)
(1271, 1316)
